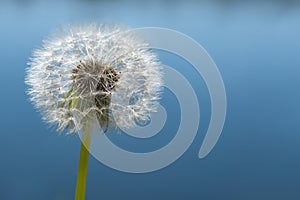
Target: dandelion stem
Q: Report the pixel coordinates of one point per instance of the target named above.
(83, 164)
(67, 96)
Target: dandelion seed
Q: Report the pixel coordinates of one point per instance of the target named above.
(91, 72)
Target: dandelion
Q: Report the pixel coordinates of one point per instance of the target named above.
(93, 74)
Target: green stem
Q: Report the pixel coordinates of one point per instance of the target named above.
(83, 164)
(67, 96)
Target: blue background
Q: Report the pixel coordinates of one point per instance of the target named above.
(256, 46)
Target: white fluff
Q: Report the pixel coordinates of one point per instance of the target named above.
(49, 77)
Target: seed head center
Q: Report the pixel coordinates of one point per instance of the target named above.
(94, 78)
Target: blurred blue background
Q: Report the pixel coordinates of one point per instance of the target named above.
(256, 46)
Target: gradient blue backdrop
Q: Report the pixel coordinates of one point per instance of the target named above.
(256, 47)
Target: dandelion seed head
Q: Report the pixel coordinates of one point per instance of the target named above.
(93, 71)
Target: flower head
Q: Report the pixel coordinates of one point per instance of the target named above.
(88, 72)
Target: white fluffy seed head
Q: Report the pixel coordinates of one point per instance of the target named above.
(88, 72)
